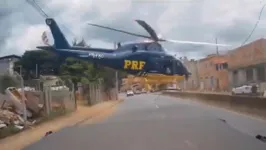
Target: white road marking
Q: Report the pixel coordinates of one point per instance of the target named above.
(156, 106)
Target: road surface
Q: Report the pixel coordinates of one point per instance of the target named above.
(156, 122)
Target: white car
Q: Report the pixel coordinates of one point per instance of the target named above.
(130, 93)
(245, 89)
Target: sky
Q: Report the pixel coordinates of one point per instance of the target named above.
(228, 21)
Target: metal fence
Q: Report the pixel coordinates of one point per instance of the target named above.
(43, 98)
(94, 93)
(55, 95)
(58, 100)
(47, 95)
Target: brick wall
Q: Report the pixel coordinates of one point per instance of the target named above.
(207, 72)
(250, 54)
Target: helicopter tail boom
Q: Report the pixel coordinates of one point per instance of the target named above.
(60, 41)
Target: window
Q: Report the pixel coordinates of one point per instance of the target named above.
(217, 67)
(249, 73)
(225, 65)
(261, 73)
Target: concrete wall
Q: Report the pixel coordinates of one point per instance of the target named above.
(255, 106)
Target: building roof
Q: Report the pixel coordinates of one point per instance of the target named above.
(219, 60)
(247, 45)
(10, 56)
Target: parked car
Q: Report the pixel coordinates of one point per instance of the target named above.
(130, 93)
(245, 90)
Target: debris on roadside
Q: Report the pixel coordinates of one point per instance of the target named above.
(48, 133)
(11, 110)
(9, 118)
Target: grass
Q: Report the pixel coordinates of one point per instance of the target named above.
(10, 130)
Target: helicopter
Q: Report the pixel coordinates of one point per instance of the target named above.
(138, 59)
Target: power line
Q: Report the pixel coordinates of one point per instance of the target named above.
(254, 26)
(37, 7)
(49, 10)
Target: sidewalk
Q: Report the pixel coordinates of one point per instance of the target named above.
(82, 114)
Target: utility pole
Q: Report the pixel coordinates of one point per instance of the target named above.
(36, 70)
(116, 84)
(116, 77)
(217, 50)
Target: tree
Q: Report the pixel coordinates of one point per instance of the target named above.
(82, 43)
(7, 81)
(47, 63)
(78, 71)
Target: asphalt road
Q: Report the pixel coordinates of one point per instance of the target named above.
(152, 122)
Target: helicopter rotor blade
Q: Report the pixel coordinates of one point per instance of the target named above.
(122, 31)
(195, 43)
(149, 29)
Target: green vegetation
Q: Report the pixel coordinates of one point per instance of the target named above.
(10, 130)
(7, 81)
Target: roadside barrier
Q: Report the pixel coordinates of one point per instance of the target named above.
(246, 104)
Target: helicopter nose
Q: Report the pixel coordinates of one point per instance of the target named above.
(187, 75)
(185, 72)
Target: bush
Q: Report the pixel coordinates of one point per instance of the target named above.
(7, 81)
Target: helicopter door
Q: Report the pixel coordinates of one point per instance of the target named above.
(157, 64)
(170, 67)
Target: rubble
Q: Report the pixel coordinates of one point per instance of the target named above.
(32, 103)
(2, 125)
(11, 109)
(8, 117)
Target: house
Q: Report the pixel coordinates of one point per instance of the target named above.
(7, 63)
(213, 73)
(193, 81)
(247, 64)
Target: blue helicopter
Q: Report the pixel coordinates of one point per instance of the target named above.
(137, 59)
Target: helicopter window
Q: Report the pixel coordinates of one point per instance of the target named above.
(146, 47)
(135, 47)
(178, 63)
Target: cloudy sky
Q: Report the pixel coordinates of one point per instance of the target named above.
(230, 21)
